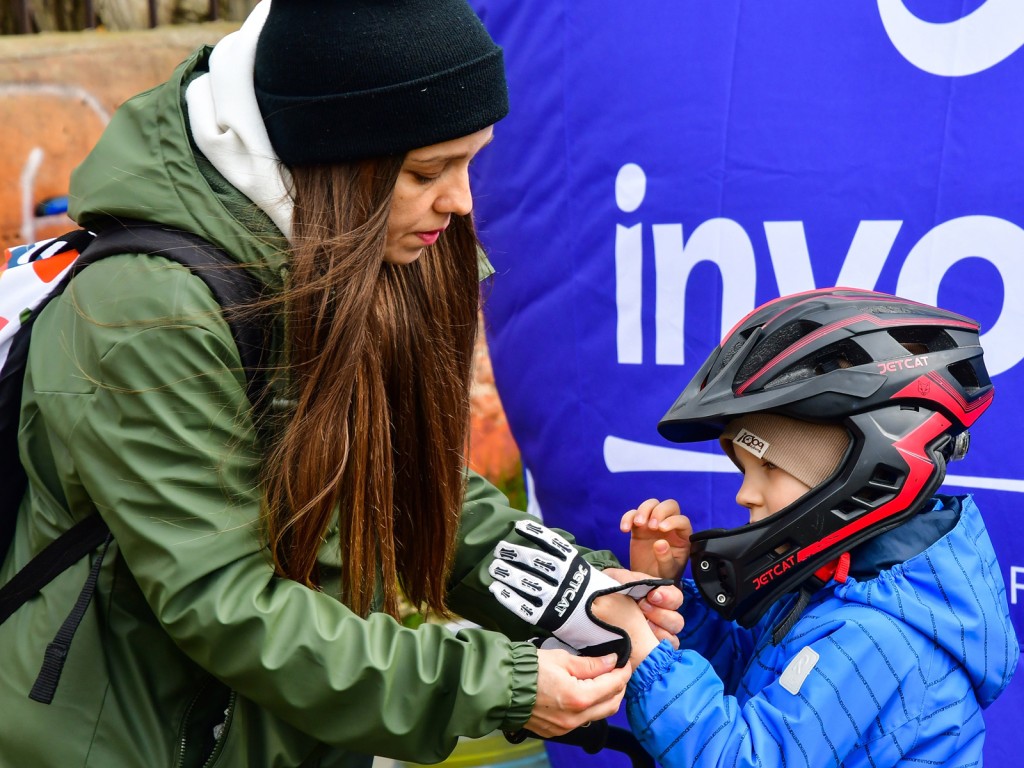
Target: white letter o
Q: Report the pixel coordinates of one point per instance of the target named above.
(999, 242)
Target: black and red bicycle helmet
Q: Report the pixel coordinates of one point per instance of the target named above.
(905, 379)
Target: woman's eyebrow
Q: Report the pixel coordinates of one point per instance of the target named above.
(432, 159)
(443, 156)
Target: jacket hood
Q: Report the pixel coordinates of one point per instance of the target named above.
(146, 167)
(952, 592)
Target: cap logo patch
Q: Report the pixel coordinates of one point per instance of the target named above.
(752, 443)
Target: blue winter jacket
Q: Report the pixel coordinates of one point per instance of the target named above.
(891, 667)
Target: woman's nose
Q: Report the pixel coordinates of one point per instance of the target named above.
(457, 197)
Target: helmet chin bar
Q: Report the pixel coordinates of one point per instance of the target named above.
(896, 461)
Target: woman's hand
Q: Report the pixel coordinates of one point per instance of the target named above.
(659, 538)
(575, 690)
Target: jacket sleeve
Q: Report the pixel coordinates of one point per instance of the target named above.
(726, 645)
(849, 682)
(149, 406)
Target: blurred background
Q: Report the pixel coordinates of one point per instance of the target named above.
(665, 168)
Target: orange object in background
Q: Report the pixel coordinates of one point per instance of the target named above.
(492, 449)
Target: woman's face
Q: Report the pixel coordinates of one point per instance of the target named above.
(432, 185)
(766, 489)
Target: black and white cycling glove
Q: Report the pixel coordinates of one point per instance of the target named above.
(552, 587)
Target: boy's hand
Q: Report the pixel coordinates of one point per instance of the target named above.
(659, 538)
(660, 607)
(623, 612)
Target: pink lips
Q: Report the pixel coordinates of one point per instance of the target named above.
(429, 238)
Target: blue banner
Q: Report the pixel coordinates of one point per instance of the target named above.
(668, 166)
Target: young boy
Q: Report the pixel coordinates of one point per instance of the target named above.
(857, 618)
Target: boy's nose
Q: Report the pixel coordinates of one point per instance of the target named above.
(747, 496)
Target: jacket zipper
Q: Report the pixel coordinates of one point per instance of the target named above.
(180, 762)
(229, 713)
(219, 741)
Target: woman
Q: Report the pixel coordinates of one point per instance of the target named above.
(245, 613)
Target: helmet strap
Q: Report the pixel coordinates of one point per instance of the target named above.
(838, 569)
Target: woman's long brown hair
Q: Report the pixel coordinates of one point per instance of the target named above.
(379, 360)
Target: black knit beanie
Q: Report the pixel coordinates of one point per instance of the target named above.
(342, 80)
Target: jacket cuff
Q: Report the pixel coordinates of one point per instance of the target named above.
(601, 558)
(652, 668)
(523, 693)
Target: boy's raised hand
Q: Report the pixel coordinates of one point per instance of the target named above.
(659, 538)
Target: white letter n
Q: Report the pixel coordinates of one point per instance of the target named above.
(721, 241)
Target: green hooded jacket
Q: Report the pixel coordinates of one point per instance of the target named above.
(192, 651)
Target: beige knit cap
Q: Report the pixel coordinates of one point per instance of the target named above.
(809, 452)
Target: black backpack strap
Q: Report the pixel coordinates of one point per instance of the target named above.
(234, 288)
(57, 651)
(12, 378)
(60, 554)
(232, 285)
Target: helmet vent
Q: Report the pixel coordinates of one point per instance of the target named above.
(785, 547)
(773, 345)
(871, 496)
(882, 487)
(920, 340)
(965, 376)
(728, 353)
(841, 354)
(847, 510)
(886, 477)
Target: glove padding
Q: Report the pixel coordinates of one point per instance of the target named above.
(552, 587)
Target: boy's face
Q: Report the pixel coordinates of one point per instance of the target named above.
(766, 489)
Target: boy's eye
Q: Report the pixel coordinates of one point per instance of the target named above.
(768, 466)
